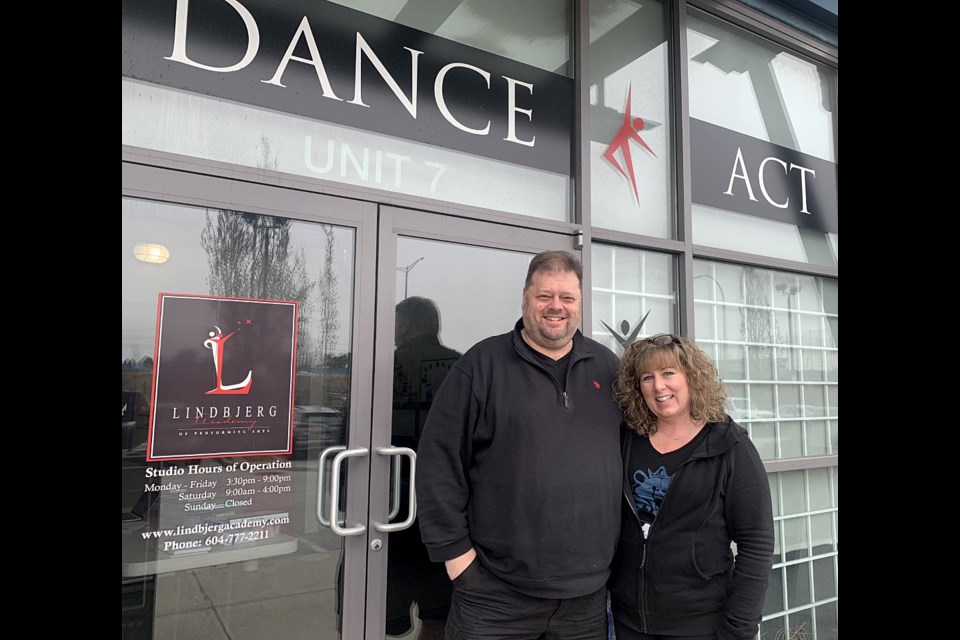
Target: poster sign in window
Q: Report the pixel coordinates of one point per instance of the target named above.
(223, 377)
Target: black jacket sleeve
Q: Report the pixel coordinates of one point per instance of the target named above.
(443, 465)
(749, 518)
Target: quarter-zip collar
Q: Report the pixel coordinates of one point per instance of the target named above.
(581, 350)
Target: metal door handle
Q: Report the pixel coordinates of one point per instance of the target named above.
(358, 528)
(321, 473)
(411, 516)
(395, 494)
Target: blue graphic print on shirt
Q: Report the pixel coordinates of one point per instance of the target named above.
(649, 489)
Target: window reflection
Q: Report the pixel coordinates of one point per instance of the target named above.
(630, 133)
(633, 295)
(786, 326)
(420, 363)
(772, 95)
(433, 327)
(536, 32)
(200, 577)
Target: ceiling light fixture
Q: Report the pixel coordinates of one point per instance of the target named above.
(151, 252)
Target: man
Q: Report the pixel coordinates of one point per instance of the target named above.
(519, 473)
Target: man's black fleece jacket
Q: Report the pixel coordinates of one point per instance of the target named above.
(525, 472)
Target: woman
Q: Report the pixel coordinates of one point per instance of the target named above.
(694, 483)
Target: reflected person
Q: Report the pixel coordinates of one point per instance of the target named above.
(420, 364)
(693, 484)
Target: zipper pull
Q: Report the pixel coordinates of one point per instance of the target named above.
(567, 402)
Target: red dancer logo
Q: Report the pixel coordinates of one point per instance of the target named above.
(629, 130)
(216, 344)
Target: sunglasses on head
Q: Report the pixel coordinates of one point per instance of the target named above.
(662, 339)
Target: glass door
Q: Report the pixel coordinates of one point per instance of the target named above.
(444, 284)
(244, 309)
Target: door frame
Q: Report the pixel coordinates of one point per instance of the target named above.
(394, 223)
(192, 189)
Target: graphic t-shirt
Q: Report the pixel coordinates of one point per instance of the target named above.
(650, 473)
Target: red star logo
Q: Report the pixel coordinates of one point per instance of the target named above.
(629, 130)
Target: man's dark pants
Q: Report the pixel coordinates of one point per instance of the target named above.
(483, 606)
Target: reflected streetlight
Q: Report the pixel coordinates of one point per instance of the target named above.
(789, 292)
(406, 274)
(722, 328)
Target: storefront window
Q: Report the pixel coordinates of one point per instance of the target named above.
(802, 597)
(775, 339)
(211, 546)
(534, 32)
(434, 103)
(634, 295)
(630, 113)
(155, 117)
(764, 166)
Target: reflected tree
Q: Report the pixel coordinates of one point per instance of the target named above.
(250, 256)
(759, 325)
(329, 298)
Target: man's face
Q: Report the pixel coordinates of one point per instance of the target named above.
(551, 308)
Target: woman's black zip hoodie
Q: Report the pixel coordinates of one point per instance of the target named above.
(683, 579)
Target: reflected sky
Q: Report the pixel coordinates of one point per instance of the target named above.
(179, 228)
(477, 290)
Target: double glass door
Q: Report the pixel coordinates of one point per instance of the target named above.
(245, 307)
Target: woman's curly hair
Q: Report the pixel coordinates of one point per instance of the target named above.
(707, 394)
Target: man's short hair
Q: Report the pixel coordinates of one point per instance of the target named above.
(554, 262)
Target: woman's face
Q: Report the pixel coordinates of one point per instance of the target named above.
(665, 390)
